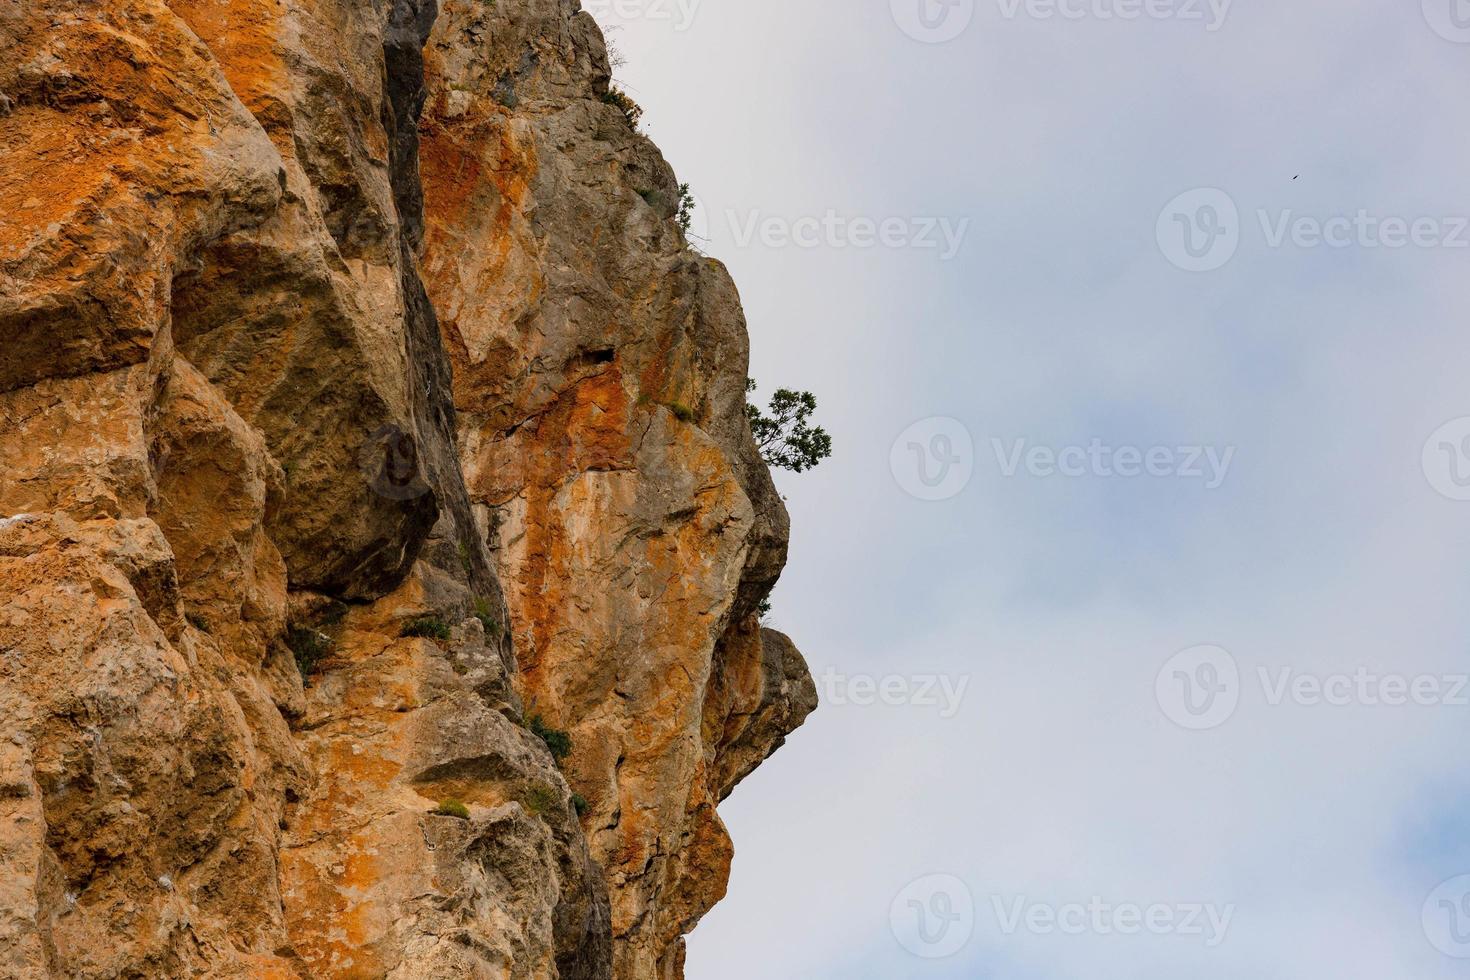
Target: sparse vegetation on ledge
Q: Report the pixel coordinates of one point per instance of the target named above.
(309, 647)
(539, 798)
(452, 808)
(486, 618)
(622, 101)
(558, 741)
(426, 627)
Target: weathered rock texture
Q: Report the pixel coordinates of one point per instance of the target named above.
(320, 321)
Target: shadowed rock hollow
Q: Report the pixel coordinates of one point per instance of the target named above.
(364, 412)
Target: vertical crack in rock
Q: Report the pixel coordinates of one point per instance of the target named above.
(409, 24)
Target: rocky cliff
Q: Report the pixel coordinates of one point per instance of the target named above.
(369, 432)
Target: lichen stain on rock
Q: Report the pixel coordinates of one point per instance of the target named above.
(476, 176)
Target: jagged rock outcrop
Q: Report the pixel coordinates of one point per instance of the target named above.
(360, 397)
(601, 403)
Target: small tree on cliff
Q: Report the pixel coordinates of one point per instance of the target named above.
(786, 436)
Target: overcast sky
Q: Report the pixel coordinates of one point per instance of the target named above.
(1136, 587)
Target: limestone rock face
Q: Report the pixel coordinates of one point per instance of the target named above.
(601, 405)
(377, 884)
(363, 409)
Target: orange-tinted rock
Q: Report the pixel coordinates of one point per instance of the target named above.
(235, 272)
